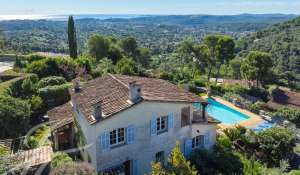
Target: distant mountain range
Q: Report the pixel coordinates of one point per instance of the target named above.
(65, 17)
(180, 19)
(207, 19)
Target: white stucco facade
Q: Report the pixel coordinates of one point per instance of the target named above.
(143, 149)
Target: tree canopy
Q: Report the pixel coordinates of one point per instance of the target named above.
(14, 117)
(72, 40)
(176, 165)
(257, 66)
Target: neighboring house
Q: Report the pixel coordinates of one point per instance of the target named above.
(128, 122)
(62, 127)
(245, 83)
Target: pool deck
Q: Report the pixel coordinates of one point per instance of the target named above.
(253, 122)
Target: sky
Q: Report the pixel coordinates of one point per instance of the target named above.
(217, 7)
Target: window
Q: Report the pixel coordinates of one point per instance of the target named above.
(117, 136)
(185, 116)
(161, 124)
(160, 157)
(198, 142)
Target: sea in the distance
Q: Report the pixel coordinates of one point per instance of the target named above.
(65, 17)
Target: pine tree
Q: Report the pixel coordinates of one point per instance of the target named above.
(177, 165)
(72, 38)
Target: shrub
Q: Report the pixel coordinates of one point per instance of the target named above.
(71, 168)
(276, 144)
(216, 89)
(251, 166)
(55, 95)
(14, 117)
(237, 133)
(23, 86)
(59, 159)
(290, 114)
(3, 151)
(165, 76)
(216, 162)
(254, 108)
(38, 67)
(36, 103)
(259, 93)
(34, 57)
(53, 67)
(229, 96)
(29, 85)
(51, 81)
(235, 88)
(177, 164)
(105, 66)
(19, 63)
(223, 143)
(85, 63)
(32, 142)
(126, 66)
(200, 82)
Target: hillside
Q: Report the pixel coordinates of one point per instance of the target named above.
(283, 42)
(159, 33)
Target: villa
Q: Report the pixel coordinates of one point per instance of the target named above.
(127, 122)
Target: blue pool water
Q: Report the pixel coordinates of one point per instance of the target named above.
(224, 113)
(263, 126)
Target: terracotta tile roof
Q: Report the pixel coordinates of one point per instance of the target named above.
(286, 97)
(113, 91)
(61, 115)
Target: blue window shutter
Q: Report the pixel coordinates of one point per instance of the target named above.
(153, 126)
(171, 120)
(188, 147)
(130, 134)
(206, 139)
(104, 139)
(135, 167)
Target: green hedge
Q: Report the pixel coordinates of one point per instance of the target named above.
(55, 95)
(51, 81)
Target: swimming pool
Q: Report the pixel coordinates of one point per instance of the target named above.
(264, 126)
(224, 113)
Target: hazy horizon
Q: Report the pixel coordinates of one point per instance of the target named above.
(106, 16)
(148, 7)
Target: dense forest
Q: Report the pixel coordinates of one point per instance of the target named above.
(282, 42)
(158, 33)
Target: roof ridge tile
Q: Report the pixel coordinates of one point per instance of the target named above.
(124, 84)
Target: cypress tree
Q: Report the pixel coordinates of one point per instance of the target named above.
(72, 38)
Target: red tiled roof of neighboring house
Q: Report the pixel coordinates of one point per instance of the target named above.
(113, 92)
(61, 115)
(293, 98)
(286, 97)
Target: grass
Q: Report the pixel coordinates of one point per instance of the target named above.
(3, 151)
(4, 86)
(202, 94)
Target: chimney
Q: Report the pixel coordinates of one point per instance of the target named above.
(76, 85)
(204, 105)
(97, 110)
(135, 92)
